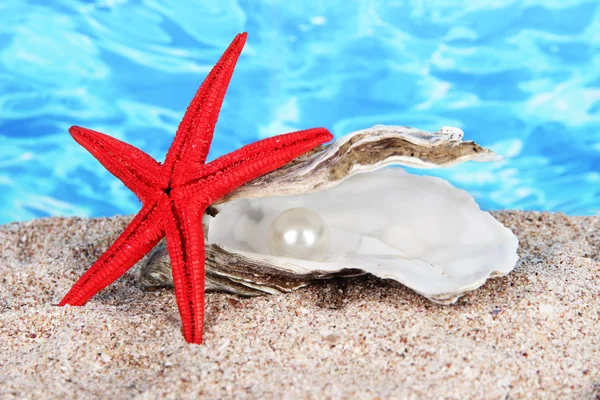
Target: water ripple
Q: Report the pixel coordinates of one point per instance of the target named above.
(521, 77)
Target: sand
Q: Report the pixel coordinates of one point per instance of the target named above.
(532, 334)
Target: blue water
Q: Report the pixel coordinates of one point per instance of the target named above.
(519, 76)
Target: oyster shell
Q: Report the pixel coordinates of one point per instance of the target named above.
(417, 230)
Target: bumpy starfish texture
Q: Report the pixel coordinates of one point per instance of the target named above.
(175, 194)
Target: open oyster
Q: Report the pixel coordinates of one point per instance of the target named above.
(418, 230)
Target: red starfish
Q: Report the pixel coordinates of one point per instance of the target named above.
(175, 194)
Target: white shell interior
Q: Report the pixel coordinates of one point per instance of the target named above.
(418, 230)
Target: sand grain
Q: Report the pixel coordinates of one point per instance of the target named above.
(532, 334)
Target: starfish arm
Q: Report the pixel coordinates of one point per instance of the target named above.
(195, 132)
(230, 171)
(136, 169)
(185, 244)
(140, 236)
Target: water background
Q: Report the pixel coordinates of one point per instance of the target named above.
(521, 77)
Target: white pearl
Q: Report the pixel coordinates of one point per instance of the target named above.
(299, 233)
